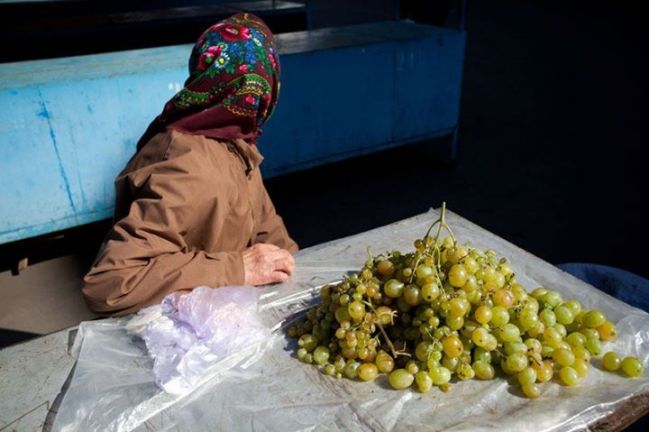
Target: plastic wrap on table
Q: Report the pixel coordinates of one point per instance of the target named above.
(113, 385)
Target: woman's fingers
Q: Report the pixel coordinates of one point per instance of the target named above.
(266, 263)
(279, 276)
(284, 262)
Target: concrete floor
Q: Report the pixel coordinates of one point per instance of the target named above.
(551, 157)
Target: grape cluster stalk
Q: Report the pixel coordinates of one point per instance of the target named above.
(448, 311)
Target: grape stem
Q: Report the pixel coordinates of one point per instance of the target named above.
(442, 224)
(394, 351)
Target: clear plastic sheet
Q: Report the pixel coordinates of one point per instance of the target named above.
(266, 388)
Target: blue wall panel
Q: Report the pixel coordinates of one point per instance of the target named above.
(428, 79)
(332, 103)
(68, 126)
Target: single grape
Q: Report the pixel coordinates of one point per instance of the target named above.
(423, 350)
(551, 337)
(330, 369)
(483, 314)
(552, 298)
(632, 367)
(400, 379)
(453, 347)
(482, 355)
(528, 319)
(430, 291)
(581, 352)
(321, 355)
(533, 345)
(342, 314)
(593, 319)
(563, 357)
(514, 347)
(607, 331)
(492, 343)
(301, 353)
(356, 310)
(423, 271)
(611, 361)
(504, 298)
(590, 333)
(526, 376)
(548, 317)
(412, 367)
(308, 342)
(500, 316)
(424, 381)
(440, 375)
(459, 306)
(412, 295)
(454, 322)
(581, 366)
(574, 306)
(516, 362)
(385, 268)
(544, 371)
(594, 346)
(508, 333)
(576, 339)
(471, 265)
(568, 376)
(450, 363)
(480, 336)
(564, 315)
(367, 371)
(531, 390)
(539, 292)
(483, 370)
(393, 288)
(351, 369)
(457, 275)
(384, 362)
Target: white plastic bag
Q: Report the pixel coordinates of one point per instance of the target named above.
(188, 333)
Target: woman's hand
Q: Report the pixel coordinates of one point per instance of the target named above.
(265, 264)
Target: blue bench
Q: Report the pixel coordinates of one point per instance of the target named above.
(69, 125)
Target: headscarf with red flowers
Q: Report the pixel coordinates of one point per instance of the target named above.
(233, 83)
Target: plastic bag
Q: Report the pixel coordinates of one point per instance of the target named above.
(188, 333)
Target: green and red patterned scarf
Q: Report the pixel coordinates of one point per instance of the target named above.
(233, 83)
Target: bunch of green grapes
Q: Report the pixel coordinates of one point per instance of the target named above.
(448, 310)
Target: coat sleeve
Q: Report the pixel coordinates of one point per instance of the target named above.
(145, 257)
(271, 228)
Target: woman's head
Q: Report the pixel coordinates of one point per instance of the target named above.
(233, 83)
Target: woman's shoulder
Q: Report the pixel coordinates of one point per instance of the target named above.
(171, 146)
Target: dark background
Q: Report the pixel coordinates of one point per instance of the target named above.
(553, 127)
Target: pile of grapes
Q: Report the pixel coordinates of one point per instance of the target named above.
(449, 310)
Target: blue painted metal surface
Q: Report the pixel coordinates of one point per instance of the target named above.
(68, 126)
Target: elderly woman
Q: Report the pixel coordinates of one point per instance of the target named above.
(191, 205)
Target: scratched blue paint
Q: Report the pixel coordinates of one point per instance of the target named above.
(69, 125)
(66, 183)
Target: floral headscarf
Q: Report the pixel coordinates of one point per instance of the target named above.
(233, 83)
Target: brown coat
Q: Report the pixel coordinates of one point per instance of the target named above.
(187, 206)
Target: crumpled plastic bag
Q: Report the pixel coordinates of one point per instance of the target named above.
(188, 333)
